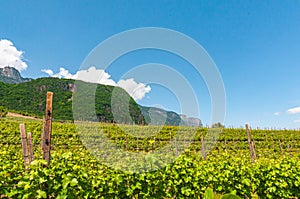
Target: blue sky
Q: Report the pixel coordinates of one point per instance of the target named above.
(254, 44)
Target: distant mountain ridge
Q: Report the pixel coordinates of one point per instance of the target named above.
(27, 96)
(11, 75)
(158, 115)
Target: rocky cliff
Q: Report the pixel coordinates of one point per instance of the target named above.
(11, 76)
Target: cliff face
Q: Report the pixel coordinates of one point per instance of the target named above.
(169, 117)
(11, 76)
(190, 121)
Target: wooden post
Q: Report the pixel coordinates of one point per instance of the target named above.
(253, 149)
(234, 144)
(47, 129)
(42, 134)
(31, 157)
(253, 146)
(289, 148)
(203, 147)
(24, 146)
(250, 143)
(280, 146)
(176, 146)
(126, 142)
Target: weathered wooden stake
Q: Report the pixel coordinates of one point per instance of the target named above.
(31, 157)
(24, 146)
(126, 142)
(234, 143)
(250, 144)
(253, 148)
(289, 148)
(42, 134)
(47, 129)
(176, 146)
(253, 145)
(281, 150)
(203, 147)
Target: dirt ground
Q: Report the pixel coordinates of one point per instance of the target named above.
(9, 114)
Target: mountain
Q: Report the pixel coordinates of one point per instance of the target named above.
(29, 98)
(190, 121)
(11, 75)
(158, 116)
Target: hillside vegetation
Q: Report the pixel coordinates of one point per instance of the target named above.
(76, 170)
(29, 98)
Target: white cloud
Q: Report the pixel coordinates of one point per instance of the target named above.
(48, 71)
(64, 73)
(293, 110)
(11, 56)
(277, 113)
(136, 90)
(94, 75)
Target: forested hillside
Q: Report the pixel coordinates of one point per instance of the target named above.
(29, 98)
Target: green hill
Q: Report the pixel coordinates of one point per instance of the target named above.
(29, 98)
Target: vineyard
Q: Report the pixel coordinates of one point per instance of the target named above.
(79, 166)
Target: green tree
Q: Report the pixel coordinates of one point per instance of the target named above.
(217, 125)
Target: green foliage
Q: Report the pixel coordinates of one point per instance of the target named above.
(3, 111)
(209, 194)
(75, 173)
(29, 98)
(230, 196)
(217, 125)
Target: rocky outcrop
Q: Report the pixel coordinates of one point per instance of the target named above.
(191, 121)
(157, 116)
(11, 75)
